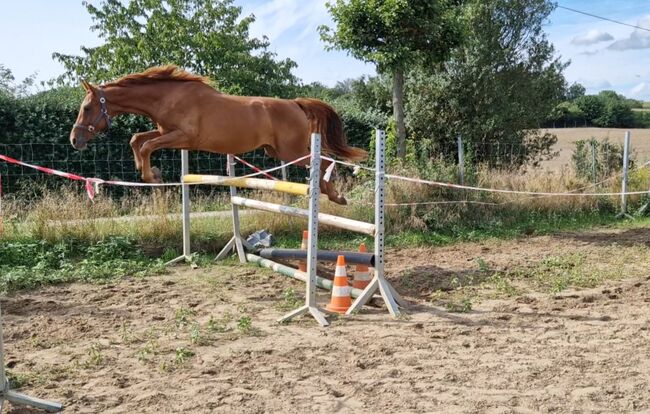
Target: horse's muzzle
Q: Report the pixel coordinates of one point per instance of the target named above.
(79, 143)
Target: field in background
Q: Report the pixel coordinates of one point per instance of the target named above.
(568, 136)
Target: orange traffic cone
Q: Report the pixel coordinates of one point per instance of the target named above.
(362, 275)
(302, 265)
(341, 299)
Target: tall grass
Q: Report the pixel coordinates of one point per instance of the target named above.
(67, 214)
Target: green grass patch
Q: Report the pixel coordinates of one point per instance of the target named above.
(28, 264)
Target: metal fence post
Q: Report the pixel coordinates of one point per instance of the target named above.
(185, 195)
(593, 161)
(626, 156)
(461, 161)
(284, 171)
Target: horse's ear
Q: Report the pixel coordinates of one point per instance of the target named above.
(87, 86)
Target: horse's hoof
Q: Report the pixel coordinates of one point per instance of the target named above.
(157, 174)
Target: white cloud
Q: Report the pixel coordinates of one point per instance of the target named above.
(642, 90)
(638, 39)
(591, 37)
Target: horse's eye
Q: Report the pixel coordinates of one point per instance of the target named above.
(86, 108)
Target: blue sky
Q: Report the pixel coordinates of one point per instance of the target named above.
(603, 55)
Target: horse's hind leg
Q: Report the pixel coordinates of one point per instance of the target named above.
(327, 187)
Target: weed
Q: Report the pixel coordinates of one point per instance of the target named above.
(290, 300)
(183, 317)
(245, 324)
(482, 265)
(182, 355)
(95, 357)
(146, 353)
(503, 285)
(463, 306)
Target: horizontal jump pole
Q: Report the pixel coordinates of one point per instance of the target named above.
(335, 221)
(254, 183)
(351, 258)
(295, 273)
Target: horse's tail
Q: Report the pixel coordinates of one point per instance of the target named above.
(324, 120)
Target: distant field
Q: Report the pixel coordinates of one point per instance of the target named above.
(568, 136)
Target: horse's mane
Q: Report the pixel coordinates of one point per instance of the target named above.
(158, 74)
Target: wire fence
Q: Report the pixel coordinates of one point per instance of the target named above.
(114, 161)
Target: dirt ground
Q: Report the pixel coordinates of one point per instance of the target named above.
(205, 340)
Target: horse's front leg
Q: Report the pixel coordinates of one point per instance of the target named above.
(136, 143)
(174, 139)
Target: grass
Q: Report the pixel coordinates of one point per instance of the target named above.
(40, 245)
(29, 263)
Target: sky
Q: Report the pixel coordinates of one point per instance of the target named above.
(603, 55)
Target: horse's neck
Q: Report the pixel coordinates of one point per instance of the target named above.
(137, 99)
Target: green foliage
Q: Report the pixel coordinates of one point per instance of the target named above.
(607, 109)
(29, 264)
(393, 33)
(209, 37)
(596, 160)
(496, 88)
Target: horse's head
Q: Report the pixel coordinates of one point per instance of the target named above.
(92, 119)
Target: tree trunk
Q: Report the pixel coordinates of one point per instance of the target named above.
(398, 111)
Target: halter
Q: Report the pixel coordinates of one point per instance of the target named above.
(103, 113)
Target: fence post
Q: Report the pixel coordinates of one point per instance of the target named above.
(461, 161)
(626, 156)
(284, 171)
(185, 196)
(593, 161)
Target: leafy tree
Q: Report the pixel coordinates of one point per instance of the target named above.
(394, 34)
(575, 91)
(591, 106)
(495, 90)
(208, 37)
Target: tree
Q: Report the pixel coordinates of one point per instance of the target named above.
(208, 37)
(496, 88)
(575, 91)
(394, 34)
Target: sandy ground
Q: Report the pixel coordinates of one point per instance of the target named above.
(205, 341)
(640, 142)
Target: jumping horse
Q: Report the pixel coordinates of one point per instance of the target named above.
(192, 115)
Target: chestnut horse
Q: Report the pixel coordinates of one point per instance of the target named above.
(191, 115)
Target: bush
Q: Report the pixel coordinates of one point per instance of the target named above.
(596, 160)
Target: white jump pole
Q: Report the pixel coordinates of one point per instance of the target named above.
(185, 195)
(17, 398)
(314, 193)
